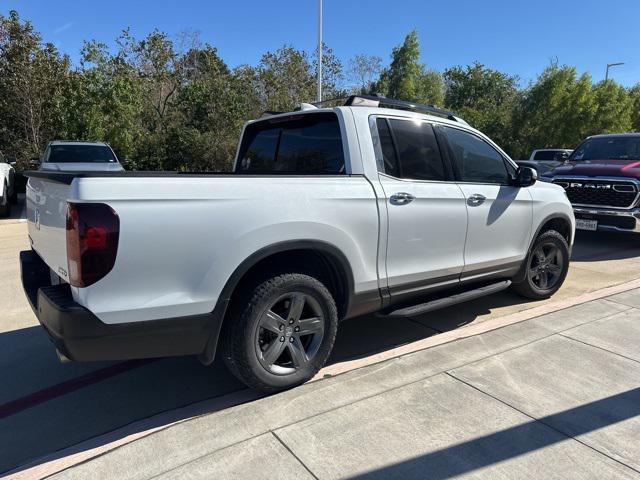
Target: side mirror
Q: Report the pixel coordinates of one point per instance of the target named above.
(525, 177)
(12, 161)
(34, 162)
(561, 157)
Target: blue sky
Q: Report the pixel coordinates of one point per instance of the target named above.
(516, 37)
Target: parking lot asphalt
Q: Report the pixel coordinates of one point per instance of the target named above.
(46, 406)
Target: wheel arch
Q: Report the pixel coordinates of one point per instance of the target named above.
(559, 222)
(328, 261)
(556, 221)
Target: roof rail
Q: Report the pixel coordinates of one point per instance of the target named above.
(377, 100)
(381, 101)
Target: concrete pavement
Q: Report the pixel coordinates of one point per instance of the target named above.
(557, 396)
(97, 404)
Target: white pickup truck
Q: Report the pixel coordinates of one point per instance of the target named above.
(74, 156)
(330, 213)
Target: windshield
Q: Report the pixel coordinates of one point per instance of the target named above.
(547, 154)
(81, 154)
(608, 148)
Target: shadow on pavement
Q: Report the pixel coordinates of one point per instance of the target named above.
(49, 406)
(464, 313)
(46, 406)
(500, 446)
(602, 246)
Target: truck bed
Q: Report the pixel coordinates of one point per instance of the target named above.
(182, 235)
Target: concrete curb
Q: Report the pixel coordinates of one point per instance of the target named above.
(476, 329)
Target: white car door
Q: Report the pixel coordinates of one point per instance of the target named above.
(426, 212)
(500, 214)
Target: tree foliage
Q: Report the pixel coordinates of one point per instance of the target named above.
(484, 97)
(363, 71)
(174, 104)
(32, 78)
(407, 79)
(634, 94)
(556, 111)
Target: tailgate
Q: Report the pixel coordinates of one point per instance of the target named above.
(46, 217)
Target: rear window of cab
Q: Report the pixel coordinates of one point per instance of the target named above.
(309, 144)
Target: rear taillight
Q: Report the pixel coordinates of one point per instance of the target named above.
(92, 242)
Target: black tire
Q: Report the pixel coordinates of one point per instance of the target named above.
(246, 342)
(5, 204)
(555, 270)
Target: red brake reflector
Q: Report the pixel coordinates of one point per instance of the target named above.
(93, 231)
(96, 238)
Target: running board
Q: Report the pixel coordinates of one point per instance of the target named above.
(448, 301)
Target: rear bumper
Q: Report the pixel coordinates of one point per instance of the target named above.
(79, 335)
(611, 220)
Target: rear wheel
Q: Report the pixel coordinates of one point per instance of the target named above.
(546, 266)
(281, 332)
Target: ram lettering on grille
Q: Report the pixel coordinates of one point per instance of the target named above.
(600, 193)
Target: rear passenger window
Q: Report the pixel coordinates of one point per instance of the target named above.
(410, 150)
(310, 144)
(386, 145)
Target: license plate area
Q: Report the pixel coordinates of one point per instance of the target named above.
(585, 224)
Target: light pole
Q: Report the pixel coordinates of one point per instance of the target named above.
(319, 91)
(606, 75)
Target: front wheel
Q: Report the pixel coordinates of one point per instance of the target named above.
(546, 267)
(280, 333)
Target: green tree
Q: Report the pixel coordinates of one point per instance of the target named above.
(556, 111)
(103, 99)
(634, 94)
(32, 78)
(172, 103)
(407, 79)
(485, 98)
(284, 78)
(613, 108)
(213, 104)
(287, 77)
(430, 87)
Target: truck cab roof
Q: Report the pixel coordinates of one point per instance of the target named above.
(362, 107)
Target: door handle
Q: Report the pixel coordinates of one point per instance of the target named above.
(401, 198)
(475, 200)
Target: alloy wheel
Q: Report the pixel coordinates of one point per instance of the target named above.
(545, 266)
(289, 333)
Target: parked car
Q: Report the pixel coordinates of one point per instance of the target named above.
(8, 193)
(330, 213)
(545, 159)
(602, 181)
(72, 156)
